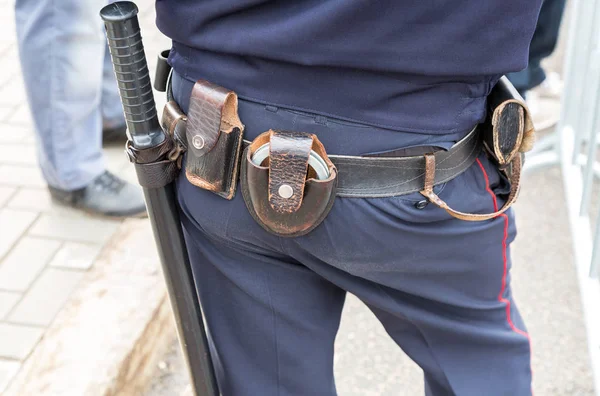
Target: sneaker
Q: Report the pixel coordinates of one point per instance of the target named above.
(106, 195)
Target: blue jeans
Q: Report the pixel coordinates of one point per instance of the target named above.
(70, 86)
(542, 45)
(440, 286)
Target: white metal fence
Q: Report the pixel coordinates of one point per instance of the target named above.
(574, 146)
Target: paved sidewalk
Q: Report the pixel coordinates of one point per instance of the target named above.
(45, 250)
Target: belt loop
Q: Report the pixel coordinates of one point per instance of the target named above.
(429, 172)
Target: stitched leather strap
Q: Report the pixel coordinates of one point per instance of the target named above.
(156, 174)
(288, 155)
(174, 123)
(173, 120)
(147, 156)
(514, 173)
(153, 168)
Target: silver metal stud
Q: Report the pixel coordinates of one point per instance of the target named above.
(285, 191)
(198, 141)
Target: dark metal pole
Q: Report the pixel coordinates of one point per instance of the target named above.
(131, 69)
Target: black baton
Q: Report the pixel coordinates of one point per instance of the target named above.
(131, 69)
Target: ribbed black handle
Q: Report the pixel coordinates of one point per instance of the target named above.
(131, 70)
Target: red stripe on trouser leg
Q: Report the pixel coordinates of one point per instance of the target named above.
(504, 260)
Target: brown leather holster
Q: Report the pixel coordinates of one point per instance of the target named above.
(507, 134)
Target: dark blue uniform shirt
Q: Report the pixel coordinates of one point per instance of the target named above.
(422, 66)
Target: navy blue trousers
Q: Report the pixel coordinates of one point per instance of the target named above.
(440, 286)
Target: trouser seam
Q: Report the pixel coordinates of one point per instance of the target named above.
(276, 339)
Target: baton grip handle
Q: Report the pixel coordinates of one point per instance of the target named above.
(131, 70)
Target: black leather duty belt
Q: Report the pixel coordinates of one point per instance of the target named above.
(376, 177)
(286, 194)
(372, 176)
(363, 176)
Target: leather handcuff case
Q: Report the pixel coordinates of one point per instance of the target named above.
(214, 136)
(284, 195)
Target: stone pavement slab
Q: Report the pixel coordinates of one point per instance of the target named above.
(25, 262)
(7, 302)
(20, 116)
(38, 200)
(21, 176)
(34, 199)
(13, 92)
(15, 133)
(45, 297)
(5, 112)
(5, 194)
(17, 341)
(75, 255)
(11, 68)
(78, 229)
(18, 154)
(8, 369)
(13, 224)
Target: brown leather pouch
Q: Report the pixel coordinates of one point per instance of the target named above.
(284, 194)
(509, 130)
(214, 137)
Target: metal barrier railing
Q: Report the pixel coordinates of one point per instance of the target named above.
(574, 146)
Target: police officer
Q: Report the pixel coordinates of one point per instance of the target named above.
(367, 78)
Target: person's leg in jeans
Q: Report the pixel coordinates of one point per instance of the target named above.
(62, 56)
(62, 48)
